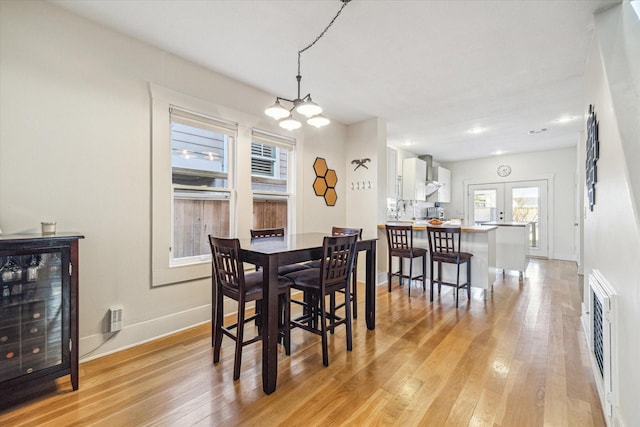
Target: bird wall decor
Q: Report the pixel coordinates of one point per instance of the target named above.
(360, 162)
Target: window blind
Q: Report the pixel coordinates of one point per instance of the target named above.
(264, 137)
(190, 118)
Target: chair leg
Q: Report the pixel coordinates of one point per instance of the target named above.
(439, 277)
(424, 273)
(258, 320)
(354, 287)
(286, 327)
(323, 329)
(217, 329)
(332, 307)
(469, 280)
(457, 284)
(347, 313)
(431, 281)
(389, 272)
(410, 274)
(214, 304)
(239, 340)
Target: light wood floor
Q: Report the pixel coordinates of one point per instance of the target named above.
(517, 359)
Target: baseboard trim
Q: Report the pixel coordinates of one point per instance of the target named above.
(131, 335)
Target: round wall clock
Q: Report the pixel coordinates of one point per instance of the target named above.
(504, 170)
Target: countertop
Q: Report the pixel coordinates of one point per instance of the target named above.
(508, 224)
(422, 226)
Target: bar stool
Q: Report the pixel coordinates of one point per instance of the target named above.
(444, 245)
(400, 242)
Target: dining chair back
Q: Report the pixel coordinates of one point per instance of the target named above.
(267, 232)
(276, 232)
(343, 231)
(444, 246)
(229, 279)
(400, 245)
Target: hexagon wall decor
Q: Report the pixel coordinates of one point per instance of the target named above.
(325, 182)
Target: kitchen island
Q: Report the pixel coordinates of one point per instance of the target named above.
(479, 240)
(512, 246)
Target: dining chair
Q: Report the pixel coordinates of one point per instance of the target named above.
(400, 245)
(229, 279)
(444, 246)
(343, 231)
(336, 264)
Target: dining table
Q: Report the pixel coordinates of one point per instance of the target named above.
(273, 252)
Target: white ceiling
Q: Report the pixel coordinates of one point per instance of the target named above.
(432, 69)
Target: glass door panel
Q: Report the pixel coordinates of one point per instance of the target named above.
(487, 203)
(524, 201)
(528, 203)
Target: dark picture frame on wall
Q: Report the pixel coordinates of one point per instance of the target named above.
(592, 156)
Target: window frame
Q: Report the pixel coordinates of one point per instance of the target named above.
(163, 270)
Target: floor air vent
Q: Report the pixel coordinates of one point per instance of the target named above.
(601, 342)
(598, 338)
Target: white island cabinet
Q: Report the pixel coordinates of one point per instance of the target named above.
(480, 240)
(512, 246)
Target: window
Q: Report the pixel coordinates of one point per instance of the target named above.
(193, 194)
(271, 179)
(201, 185)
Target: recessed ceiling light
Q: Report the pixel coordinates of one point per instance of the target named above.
(408, 143)
(531, 132)
(564, 119)
(499, 152)
(476, 130)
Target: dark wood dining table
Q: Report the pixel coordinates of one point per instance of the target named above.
(272, 252)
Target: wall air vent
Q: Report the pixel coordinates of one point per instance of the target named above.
(533, 132)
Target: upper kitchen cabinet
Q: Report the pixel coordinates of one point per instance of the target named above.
(414, 172)
(393, 177)
(443, 195)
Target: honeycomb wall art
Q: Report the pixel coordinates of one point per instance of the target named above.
(325, 183)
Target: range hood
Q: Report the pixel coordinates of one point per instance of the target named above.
(431, 180)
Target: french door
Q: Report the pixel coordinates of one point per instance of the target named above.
(518, 201)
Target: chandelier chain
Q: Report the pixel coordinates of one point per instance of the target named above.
(344, 3)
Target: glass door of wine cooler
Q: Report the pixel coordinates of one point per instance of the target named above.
(32, 312)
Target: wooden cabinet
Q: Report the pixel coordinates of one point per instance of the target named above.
(38, 310)
(414, 174)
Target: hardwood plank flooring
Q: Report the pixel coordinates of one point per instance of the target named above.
(518, 358)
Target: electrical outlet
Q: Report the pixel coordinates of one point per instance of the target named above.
(115, 314)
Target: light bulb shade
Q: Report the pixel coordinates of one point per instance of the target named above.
(308, 108)
(290, 123)
(318, 121)
(277, 111)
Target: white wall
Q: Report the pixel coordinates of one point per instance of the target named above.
(612, 230)
(329, 143)
(560, 164)
(365, 141)
(75, 146)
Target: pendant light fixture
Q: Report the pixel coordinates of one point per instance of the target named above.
(301, 105)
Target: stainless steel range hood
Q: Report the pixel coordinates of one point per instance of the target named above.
(431, 180)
